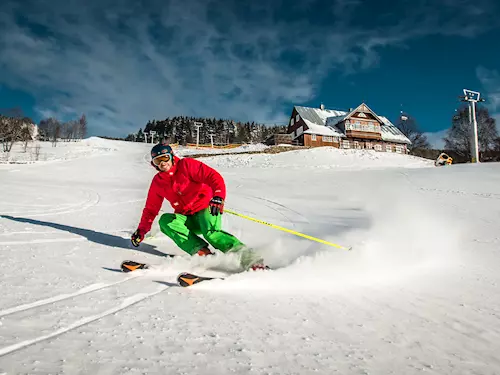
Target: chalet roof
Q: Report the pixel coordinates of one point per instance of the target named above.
(392, 133)
(316, 115)
(322, 130)
(328, 118)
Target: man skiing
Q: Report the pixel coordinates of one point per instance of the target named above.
(196, 192)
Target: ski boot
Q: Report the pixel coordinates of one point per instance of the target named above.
(250, 260)
(204, 251)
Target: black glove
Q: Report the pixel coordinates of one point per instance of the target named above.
(216, 206)
(136, 238)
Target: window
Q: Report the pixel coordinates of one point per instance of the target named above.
(346, 144)
(292, 122)
(388, 148)
(327, 138)
(368, 145)
(313, 137)
(400, 149)
(378, 147)
(297, 118)
(357, 145)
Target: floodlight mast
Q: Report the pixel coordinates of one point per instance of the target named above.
(472, 97)
(198, 126)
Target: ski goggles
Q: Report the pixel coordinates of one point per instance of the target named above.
(157, 160)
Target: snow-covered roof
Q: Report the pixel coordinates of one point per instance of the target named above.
(320, 120)
(334, 120)
(316, 115)
(392, 133)
(322, 130)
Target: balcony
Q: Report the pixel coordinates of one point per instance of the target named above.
(366, 131)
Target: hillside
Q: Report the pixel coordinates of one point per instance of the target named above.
(418, 292)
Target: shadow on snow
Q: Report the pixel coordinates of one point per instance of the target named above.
(93, 236)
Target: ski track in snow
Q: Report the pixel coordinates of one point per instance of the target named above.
(61, 297)
(132, 300)
(279, 211)
(92, 200)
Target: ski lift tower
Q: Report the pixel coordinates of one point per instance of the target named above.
(212, 140)
(472, 97)
(152, 133)
(198, 126)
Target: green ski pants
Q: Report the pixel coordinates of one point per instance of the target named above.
(184, 231)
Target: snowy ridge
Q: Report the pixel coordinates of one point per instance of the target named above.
(322, 158)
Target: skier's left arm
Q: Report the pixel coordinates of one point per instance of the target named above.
(200, 172)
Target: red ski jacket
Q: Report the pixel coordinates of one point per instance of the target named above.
(189, 186)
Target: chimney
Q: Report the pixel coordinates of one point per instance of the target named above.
(322, 107)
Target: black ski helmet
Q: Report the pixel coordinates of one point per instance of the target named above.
(161, 149)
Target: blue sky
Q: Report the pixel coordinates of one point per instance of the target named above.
(125, 62)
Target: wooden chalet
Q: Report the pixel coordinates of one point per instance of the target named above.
(360, 128)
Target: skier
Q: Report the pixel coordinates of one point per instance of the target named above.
(196, 192)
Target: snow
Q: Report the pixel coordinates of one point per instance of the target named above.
(47, 152)
(322, 130)
(209, 150)
(417, 294)
(320, 158)
(318, 114)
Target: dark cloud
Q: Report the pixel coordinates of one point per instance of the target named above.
(125, 62)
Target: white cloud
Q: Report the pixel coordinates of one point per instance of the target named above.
(124, 64)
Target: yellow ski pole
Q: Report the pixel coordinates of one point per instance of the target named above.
(287, 230)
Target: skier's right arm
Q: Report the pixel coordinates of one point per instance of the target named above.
(152, 207)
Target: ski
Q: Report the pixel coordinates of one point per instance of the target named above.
(186, 279)
(130, 265)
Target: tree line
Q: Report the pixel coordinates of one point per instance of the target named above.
(16, 127)
(51, 129)
(183, 130)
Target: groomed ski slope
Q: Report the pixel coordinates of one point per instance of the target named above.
(417, 294)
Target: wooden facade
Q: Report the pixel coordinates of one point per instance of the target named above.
(313, 140)
(279, 139)
(295, 122)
